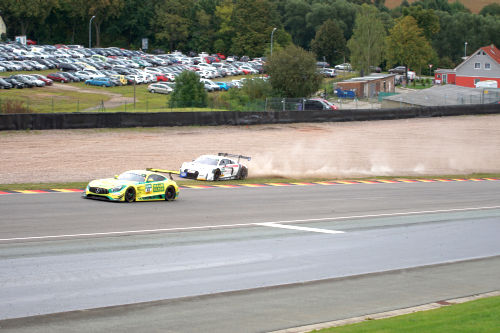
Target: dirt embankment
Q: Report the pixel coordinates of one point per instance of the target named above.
(453, 145)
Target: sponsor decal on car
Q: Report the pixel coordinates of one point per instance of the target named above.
(158, 188)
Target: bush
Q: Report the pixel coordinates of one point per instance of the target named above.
(189, 91)
(13, 106)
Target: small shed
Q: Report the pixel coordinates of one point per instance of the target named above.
(369, 86)
(444, 76)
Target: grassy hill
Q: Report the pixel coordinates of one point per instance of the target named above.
(475, 6)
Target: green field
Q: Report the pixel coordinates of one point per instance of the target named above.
(78, 97)
(480, 316)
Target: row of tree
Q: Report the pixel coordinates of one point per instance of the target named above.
(335, 30)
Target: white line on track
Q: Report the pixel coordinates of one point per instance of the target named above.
(221, 226)
(293, 227)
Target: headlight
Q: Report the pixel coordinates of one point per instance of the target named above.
(117, 188)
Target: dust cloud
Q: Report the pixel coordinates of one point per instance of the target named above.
(414, 147)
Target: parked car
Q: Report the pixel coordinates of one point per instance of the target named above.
(375, 69)
(344, 67)
(159, 88)
(328, 72)
(223, 86)
(45, 79)
(210, 85)
(100, 81)
(4, 84)
(398, 70)
(15, 83)
(30, 83)
(318, 104)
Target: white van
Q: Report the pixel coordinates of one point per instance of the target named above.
(487, 84)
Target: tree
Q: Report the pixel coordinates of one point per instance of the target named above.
(27, 13)
(407, 45)
(189, 91)
(426, 19)
(103, 10)
(292, 72)
(253, 22)
(295, 22)
(329, 42)
(225, 31)
(491, 9)
(172, 22)
(367, 42)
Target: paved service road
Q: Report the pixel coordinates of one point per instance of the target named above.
(61, 253)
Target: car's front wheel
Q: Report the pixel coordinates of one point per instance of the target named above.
(130, 195)
(170, 193)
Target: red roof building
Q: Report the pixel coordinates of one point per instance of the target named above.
(482, 65)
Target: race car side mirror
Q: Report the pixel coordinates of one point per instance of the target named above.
(116, 176)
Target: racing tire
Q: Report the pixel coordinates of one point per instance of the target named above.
(130, 195)
(243, 173)
(152, 91)
(170, 193)
(216, 175)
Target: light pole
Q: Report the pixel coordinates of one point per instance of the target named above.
(272, 33)
(90, 31)
(465, 51)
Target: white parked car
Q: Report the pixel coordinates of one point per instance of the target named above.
(159, 88)
(344, 67)
(210, 85)
(215, 167)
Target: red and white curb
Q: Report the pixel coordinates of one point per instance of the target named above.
(324, 183)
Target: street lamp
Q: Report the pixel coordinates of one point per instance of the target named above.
(272, 33)
(465, 52)
(90, 31)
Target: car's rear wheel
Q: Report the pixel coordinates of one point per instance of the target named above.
(216, 175)
(130, 195)
(170, 193)
(243, 173)
(152, 91)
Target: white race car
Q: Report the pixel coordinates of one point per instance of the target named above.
(215, 167)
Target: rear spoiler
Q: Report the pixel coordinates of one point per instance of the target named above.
(235, 156)
(170, 172)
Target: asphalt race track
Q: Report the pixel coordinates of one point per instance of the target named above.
(243, 259)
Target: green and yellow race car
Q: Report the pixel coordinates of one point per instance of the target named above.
(134, 185)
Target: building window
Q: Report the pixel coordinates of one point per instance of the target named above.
(487, 65)
(477, 65)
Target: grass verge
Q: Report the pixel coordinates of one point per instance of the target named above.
(62, 185)
(476, 316)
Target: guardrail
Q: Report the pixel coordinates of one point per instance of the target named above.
(158, 119)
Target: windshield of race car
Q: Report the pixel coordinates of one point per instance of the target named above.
(134, 177)
(206, 160)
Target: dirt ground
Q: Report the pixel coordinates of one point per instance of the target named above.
(450, 145)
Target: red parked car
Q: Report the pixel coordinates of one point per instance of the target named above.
(58, 77)
(161, 77)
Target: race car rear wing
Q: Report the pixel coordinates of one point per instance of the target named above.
(235, 156)
(170, 172)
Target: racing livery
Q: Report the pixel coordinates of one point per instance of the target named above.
(134, 185)
(223, 166)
